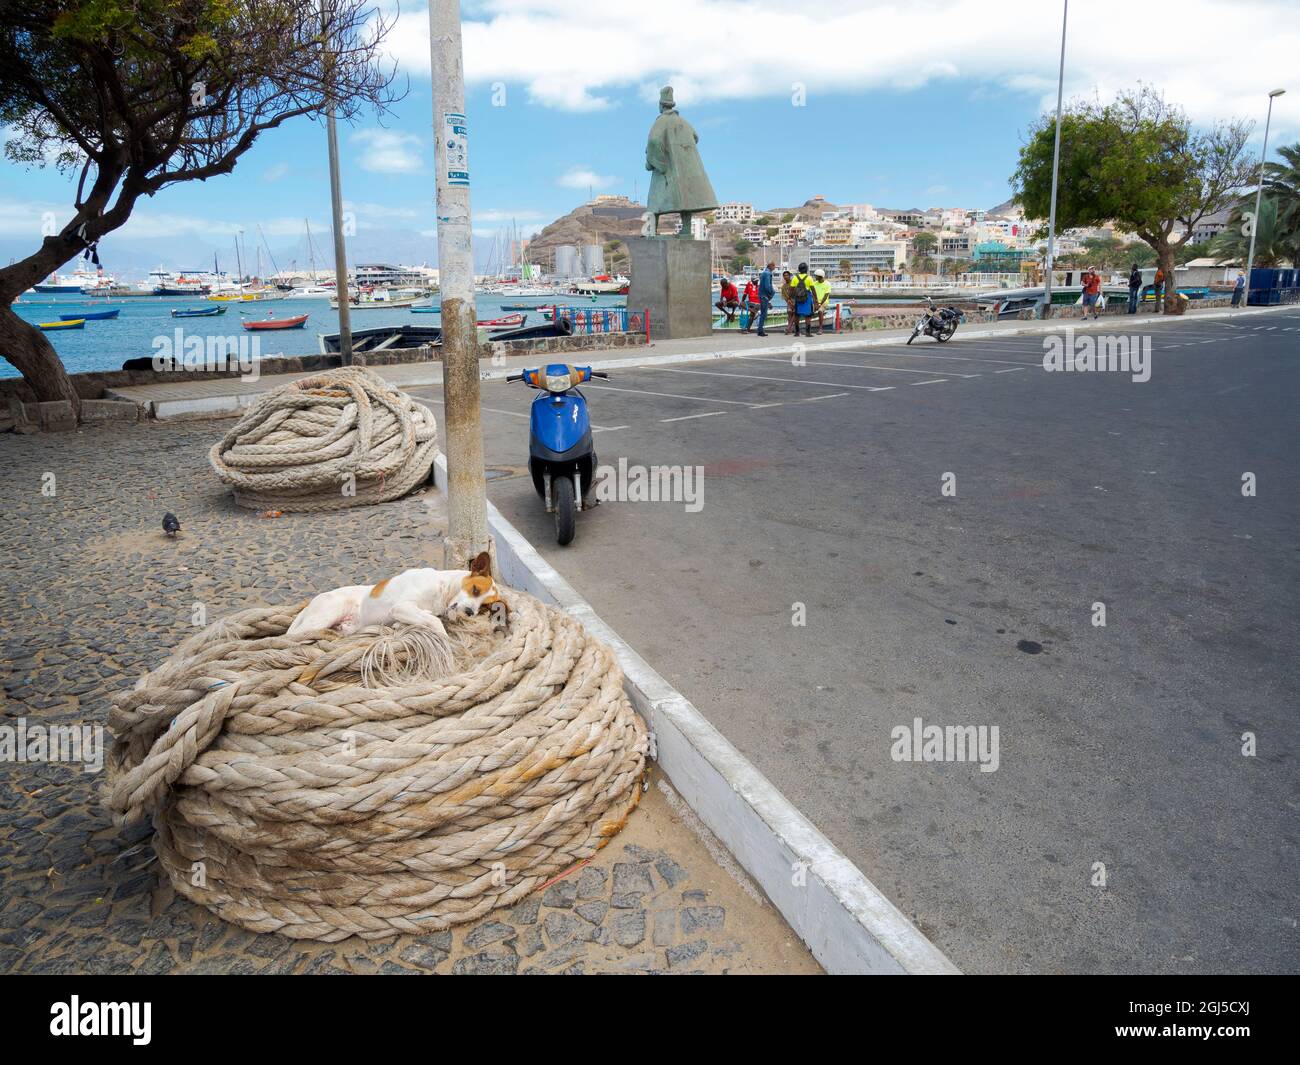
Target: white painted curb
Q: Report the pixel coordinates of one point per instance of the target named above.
(849, 926)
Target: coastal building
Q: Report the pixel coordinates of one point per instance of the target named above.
(754, 234)
(734, 212)
(997, 256)
(837, 231)
(879, 257)
(382, 275)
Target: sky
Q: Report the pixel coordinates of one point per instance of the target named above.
(898, 105)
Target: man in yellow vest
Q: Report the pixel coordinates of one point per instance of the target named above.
(821, 299)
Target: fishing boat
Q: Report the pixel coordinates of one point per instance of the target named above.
(427, 310)
(509, 321)
(382, 299)
(91, 316)
(296, 322)
(202, 312)
(382, 337)
(73, 323)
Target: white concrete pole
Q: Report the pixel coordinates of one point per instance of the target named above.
(1259, 193)
(336, 211)
(466, 489)
(1056, 166)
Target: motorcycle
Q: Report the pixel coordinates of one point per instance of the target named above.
(561, 455)
(940, 324)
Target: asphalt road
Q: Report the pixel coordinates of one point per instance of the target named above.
(1120, 747)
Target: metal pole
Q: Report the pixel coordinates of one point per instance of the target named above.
(466, 489)
(1056, 166)
(336, 210)
(1259, 193)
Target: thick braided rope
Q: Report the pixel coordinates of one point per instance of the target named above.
(330, 809)
(300, 445)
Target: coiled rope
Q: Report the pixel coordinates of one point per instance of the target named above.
(336, 439)
(330, 809)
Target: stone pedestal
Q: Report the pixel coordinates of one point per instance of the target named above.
(673, 280)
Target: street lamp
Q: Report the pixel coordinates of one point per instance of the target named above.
(1259, 192)
(1056, 166)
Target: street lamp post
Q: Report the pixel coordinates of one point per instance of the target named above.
(1259, 192)
(1056, 166)
(466, 488)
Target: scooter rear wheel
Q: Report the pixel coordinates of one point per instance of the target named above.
(566, 510)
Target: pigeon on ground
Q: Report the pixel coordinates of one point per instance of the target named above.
(170, 524)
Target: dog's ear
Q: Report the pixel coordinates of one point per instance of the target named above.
(481, 566)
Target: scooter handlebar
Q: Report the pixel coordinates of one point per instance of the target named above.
(598, 373)
(514, 377)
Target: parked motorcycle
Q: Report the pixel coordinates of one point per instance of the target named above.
(561, 455)
(939, 323)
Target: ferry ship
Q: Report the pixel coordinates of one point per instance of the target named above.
(76, 282)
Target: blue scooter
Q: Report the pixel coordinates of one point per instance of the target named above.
(561, 455)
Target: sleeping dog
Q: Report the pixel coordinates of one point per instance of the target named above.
(421, 597)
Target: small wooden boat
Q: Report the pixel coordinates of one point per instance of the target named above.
(203, 312)
(73, 323)
(91, 316)
(426, 310)
(278, 323)
(510, 321)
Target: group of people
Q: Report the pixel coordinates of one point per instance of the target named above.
(804, 295)
(1093, 300)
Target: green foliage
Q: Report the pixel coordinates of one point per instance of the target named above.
(744, 246)
(1137, 162)
(924, 243)
(1276, 242)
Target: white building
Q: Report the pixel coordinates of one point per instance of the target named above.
(754, 234)
(880, 257)
(734, 212)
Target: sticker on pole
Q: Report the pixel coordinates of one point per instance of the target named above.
(456, 137)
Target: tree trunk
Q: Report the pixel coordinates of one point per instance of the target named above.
(1165, 257)
(25, 346)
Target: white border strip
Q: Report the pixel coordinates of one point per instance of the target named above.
(847, 923)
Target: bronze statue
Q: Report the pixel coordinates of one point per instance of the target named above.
(679, 184)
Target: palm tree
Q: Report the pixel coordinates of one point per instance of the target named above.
(1275, 243)
(1282, 183)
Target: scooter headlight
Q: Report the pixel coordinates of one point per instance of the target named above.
(559, 382)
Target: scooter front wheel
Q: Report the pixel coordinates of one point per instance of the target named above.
(566, 510)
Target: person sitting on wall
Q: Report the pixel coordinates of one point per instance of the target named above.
(729, 304)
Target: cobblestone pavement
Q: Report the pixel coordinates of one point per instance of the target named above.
(93, 594)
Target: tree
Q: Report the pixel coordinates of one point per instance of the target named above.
(924, 243)
(743, 247)
(1275, 244)
(1137, 162)
(846, 269)
(135, 95)
(1282, 185)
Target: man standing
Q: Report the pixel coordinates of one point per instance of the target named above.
(1239, 289)
(1091, 290)
(787, 294)
(1134, 287)
(821, 299)
(801, 286)
(751, 304)
(766, 290)
(1158, 288)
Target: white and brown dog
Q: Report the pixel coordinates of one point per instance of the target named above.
(421, 597)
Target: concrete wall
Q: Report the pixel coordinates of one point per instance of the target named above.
(672, 279)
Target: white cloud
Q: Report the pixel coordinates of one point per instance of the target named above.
(275, 172)
(502, 216)
(584, 178)
(386, 151)
(1242, 49)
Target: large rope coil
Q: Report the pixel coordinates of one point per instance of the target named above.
(326, 809)
(336, 439)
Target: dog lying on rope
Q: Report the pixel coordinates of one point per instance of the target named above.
(419, 598)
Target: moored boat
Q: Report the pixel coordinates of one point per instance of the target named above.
(74, 323)
(509, 321)
(202, 312)
(91, 316)
(277, 323)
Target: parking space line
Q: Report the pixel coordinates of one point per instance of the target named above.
(783, 380)
(608, 428)
(670, 395)
(918, 355)
(936, 381)
(688, 417)
(856, 366)
(519, 414)
(1012, 369)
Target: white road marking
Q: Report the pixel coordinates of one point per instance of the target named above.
(783, 380)
(1013, 369)
(936, 381)
(814, 399)
(688, 417)
(609, 428)
(671, 395)
(944, 358)
(855, 366)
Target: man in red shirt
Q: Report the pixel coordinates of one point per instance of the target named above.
(730, 301)
(751, 303)
(1091, 291)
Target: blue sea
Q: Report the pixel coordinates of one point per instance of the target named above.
(104, 345)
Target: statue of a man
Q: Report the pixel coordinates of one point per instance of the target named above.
(679, 184)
